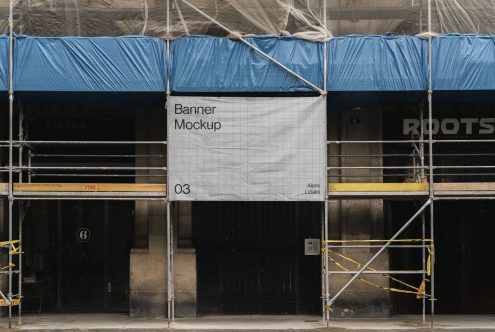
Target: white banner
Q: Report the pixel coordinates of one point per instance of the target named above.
(247, 148)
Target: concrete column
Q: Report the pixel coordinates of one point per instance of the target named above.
(185, 262)
(3, 256)
(148, 261)
(358, 219)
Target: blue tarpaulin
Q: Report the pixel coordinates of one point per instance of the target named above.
(4, 63)
(107, 64)
(377, 63)
(463, 62)
(212, 64)
(220, 65)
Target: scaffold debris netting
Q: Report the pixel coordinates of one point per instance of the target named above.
(82, 64)
(301, 18)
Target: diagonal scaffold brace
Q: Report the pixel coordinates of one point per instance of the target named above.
(331, 301)
(237, 36)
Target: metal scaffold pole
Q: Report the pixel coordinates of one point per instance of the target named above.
(19, 293)
(325, 253)
(430, 147)
(11, 128)
(325, 284)
(170, 242)
(169, 267)
(323, 260)
(20, 214)
(423, 221)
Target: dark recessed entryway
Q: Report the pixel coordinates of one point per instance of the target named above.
(464, 265)
(251, 257)
(77, 256)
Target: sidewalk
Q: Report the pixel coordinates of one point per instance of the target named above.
(117, 322)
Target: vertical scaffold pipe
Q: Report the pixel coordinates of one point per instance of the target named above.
(169, 269)
(11, 128)
(21, 217)
(325, 209)
(423, 221)
(170, 288)
(172, 273)
(325, 48)
(327, 266)
(20, 130)
(21, 214)
(430, 146)
(323, 263)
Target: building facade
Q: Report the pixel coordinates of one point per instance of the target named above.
(404, 225)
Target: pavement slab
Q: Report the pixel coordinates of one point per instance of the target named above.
(119, 322)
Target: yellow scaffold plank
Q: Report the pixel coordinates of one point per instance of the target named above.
(14, 302)
(465, 186)
(89, 187)
(4, 186)
(377, 187)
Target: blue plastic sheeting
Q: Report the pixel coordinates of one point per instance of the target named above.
(212, 64)
(463, 62)
(377, 63)
(103, 64)
(4, 63)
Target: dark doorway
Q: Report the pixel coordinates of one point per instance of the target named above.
(464, 265)
(77, 256)
(251, 258)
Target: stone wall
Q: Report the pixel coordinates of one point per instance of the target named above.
(148, 261)
(357, 219)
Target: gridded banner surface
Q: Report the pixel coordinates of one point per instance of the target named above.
(246, 148)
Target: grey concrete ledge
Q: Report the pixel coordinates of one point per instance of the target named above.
(119, 322)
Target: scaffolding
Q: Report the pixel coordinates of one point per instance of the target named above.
(421, 186)
(22, 187)
(417, 184)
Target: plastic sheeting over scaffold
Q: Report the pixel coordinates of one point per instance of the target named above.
(377, 63)
(80, 64)
(302, 18)
(4, 63)
(463, 63)
(213, 64)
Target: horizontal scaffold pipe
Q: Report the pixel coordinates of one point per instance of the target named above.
(99, 175)
(99, 168)
(93, 142)
(81, 198)
(465, 198)
(41, 155)
(379, 272)
(463, 141)
(377, 142)
(376, 167)
(360, 246)
(467, 166)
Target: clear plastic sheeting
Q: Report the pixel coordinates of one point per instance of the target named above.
(377, 17)
(111, 64)
(464, 16)
(301, 18)
(463, 62)
(377, 63)
(212, 64)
